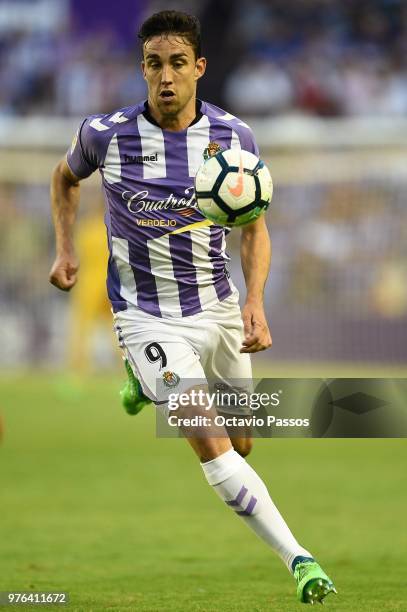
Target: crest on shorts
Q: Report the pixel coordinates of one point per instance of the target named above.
(170, 379)
(212, 149)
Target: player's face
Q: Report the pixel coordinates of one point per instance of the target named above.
(171, 71)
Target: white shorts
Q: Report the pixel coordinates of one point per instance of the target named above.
(173, 355)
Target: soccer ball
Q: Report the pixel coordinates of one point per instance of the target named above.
(233, 187)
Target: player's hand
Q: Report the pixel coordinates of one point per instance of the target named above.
(64, 272)
(256, 329)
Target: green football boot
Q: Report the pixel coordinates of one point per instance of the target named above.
(133, 398)
(313, 585)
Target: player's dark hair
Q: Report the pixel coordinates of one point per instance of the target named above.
(173, 22)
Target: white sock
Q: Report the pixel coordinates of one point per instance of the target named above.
(243, 490)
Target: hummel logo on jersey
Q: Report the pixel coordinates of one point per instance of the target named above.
(139, 159)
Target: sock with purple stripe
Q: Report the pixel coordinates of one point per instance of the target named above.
(239, 486)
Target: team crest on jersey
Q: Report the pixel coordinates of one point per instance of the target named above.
(170, 379)
(212, 149)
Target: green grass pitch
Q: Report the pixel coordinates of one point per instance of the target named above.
(93, 504)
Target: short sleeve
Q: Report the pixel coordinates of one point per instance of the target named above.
(247, 140)
(81, 157)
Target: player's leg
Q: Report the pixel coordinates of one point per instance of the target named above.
(132, 396)
(158, 360)
(234, 480)
(242, 444)
(224, 364)
(240, 487)
(171, 360)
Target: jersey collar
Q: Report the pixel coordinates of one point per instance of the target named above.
(198, 114)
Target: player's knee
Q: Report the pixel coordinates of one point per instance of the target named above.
(243, 446)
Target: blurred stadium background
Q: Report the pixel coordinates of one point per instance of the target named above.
(324, 85)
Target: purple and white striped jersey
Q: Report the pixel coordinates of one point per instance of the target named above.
(165, 257)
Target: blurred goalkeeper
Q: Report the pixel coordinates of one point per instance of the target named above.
(176, 310)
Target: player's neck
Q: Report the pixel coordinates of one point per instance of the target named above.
(175, 123)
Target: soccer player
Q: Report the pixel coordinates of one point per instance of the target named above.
(175, 308)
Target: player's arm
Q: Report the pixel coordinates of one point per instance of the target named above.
(64, 205)
(255, 254)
